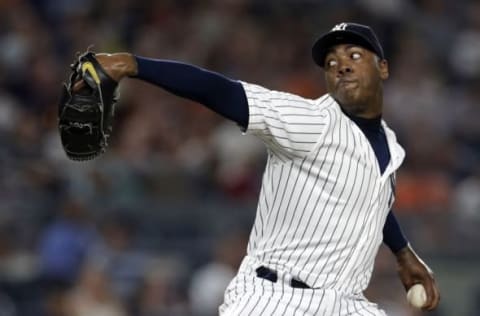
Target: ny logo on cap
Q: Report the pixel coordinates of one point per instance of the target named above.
(340, 27)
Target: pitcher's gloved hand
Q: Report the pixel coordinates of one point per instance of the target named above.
(87, 109)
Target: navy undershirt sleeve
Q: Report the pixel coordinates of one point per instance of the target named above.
(393, 236)
(217, 92)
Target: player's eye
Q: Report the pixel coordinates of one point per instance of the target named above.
(356, 56)
(331, 63)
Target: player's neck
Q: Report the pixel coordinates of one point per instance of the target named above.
(366, 120)
(363, 111)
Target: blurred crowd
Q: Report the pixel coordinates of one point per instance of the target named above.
(158, 224)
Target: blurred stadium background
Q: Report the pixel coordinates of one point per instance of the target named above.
(158, 225)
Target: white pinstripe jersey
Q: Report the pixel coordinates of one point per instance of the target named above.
(324, 201)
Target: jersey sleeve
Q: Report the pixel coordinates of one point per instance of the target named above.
(288, 124)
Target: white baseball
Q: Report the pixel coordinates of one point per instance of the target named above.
(416, 296)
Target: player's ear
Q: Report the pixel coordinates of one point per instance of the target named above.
(383, 68)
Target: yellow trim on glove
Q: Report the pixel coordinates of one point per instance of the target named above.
(88, 66)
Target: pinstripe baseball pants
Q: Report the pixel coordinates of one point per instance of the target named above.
(249, 295)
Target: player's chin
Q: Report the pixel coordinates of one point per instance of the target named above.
(348, 98)
(348, 90)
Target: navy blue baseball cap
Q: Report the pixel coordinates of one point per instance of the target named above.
(346, 33)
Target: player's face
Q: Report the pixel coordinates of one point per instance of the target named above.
(354, 77)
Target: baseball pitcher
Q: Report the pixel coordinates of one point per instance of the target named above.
(329, 182)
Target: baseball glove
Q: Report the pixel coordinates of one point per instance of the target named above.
(85, 115)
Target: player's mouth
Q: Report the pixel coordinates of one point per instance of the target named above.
(347, 84)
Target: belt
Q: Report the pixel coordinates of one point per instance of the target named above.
(271, 275)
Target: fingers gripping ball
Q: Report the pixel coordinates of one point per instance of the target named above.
(416, 296)
(85, 115)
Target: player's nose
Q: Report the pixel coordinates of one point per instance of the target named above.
(344, 68)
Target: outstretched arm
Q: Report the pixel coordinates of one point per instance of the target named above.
(246, 104)
(411, 269)
(219, 93)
